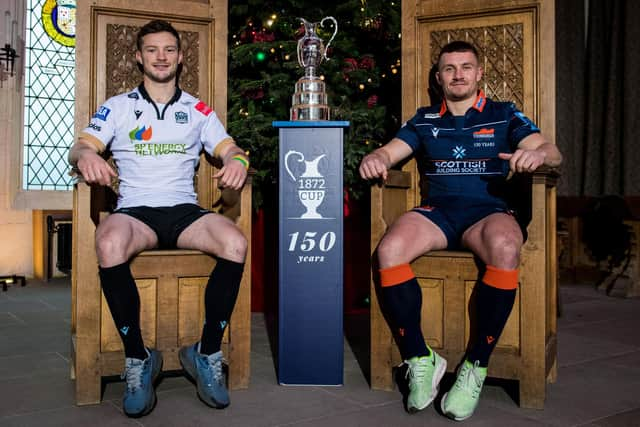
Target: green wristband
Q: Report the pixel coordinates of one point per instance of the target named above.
(242, 160)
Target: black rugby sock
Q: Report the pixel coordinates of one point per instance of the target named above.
(219, 300)
(123, 300)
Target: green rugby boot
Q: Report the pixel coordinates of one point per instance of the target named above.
(424, 374)
(461, 401)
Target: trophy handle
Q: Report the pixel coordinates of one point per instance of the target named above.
(286, 163)
(299, 52)
(335, 31)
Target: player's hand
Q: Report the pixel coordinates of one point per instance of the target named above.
(95, 170)
(523, 160)
(232, 175)
(373, 166)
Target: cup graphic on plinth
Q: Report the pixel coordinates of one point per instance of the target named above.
(309, 101)
(310, 184)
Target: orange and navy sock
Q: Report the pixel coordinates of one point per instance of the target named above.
(495, 296)
(402, 300)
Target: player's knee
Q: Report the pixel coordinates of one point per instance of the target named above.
(391, 250)
(236, 246)
(109, 246)
(505, 249)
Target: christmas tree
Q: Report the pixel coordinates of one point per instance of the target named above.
(362, 77)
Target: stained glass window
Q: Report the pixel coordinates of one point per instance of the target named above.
(49, 94)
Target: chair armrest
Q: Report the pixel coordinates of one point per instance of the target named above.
(389, 199)
(234, 203)
(547, 175)
(388, 202)
(93, 200)
(397, 179)
(244, 217)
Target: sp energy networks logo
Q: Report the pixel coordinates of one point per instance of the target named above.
(141, 134)
(140, 137)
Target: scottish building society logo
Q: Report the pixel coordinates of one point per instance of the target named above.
(459, 152)
(141, 134)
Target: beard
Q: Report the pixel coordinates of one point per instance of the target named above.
(160, 79)
(457, 95)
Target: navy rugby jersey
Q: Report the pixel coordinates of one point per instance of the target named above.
(459, 154)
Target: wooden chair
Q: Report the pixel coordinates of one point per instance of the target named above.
(579, 263)
(527, 349)
(171, 285)
(632, 288)
(515, 44)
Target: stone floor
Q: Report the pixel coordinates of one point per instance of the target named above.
(598, 379)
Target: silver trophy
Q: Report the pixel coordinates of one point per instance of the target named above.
(309, 101)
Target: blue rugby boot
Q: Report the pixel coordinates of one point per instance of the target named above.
(140, 394)
(207, 372)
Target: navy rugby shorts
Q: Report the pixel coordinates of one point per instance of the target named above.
(455, 215)
(168, 222)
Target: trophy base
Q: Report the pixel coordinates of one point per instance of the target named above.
(309, 101)
(310, 112)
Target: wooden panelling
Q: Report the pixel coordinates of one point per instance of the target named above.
(109, 338)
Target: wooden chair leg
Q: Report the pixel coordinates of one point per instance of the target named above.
(553, 372)
(532, 391)
(72, 364)
(88, 385)
(381, 348)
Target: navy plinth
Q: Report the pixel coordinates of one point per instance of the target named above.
(310, 281)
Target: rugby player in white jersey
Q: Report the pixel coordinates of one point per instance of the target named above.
(156, 133)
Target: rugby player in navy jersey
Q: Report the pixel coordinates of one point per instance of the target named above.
(467, 146)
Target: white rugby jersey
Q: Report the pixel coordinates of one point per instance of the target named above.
(156, 147)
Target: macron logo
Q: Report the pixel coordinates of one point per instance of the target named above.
(435, 131)
(124, 330)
